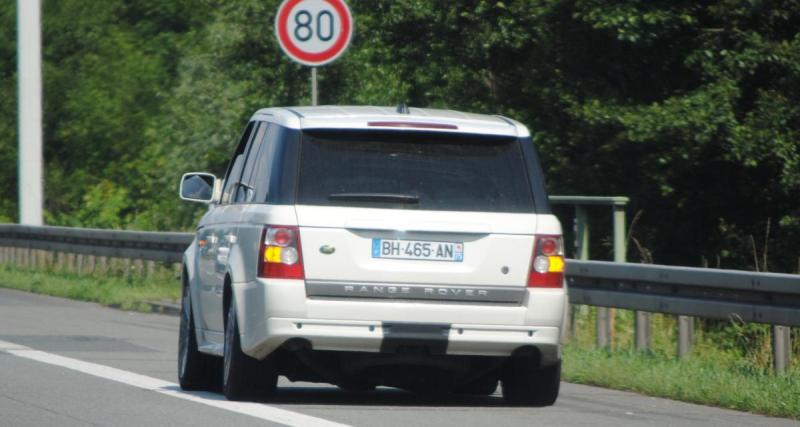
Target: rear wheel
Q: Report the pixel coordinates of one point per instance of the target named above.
(526, 384)
(196, 371)
(243, 377)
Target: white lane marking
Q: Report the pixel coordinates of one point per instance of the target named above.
(257, 410)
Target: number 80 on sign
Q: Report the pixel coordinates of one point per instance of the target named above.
(314, 32)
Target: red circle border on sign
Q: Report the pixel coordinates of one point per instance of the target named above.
(319, 58)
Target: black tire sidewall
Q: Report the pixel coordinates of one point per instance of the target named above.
(235, 363)
(526, 384)
(191, 369)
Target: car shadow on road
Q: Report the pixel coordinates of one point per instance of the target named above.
(382, 396)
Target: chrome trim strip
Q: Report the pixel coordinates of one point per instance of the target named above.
(408, 291)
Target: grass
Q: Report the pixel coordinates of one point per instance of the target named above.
(707, 379)
(111, 289)
(729, 367)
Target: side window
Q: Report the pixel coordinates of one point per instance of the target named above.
(233, 177)
(263, 172)
(245, 189)
(237, 163)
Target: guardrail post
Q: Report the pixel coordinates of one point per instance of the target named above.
(603, 327)
(603, 314)
(606, 315)
(642, 331)
(685, 335)
(581, 227)
(581, 233)
(781, 348)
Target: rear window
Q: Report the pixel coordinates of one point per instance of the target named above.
(406, 170)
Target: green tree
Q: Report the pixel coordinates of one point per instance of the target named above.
(690, 108)
(8, 109)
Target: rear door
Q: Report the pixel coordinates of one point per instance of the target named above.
(218, 233)
(415, 215)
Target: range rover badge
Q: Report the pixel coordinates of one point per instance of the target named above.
(327, 249)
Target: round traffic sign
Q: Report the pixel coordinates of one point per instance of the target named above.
(314, 32)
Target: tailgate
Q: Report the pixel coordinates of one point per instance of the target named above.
(361, 246)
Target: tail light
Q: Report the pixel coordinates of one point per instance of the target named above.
(280, 256)
(547, 266)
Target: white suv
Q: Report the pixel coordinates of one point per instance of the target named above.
(368, 246)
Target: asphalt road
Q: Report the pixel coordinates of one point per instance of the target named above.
(67, 363)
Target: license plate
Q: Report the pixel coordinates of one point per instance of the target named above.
(418, 249)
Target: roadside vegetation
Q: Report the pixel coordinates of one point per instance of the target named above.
(111, 288)
(729, 366)
(689, 108)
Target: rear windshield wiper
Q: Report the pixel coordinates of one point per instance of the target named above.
(376, 197)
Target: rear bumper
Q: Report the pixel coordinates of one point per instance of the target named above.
(272, 312)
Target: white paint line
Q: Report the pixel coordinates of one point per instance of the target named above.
(257, 410)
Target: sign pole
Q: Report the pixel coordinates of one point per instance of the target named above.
(29, 63)
(314, 88)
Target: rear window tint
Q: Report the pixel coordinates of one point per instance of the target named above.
(406, 170)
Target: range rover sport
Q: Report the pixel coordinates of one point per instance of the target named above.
(375, 246)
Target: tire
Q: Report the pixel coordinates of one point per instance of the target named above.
(196, 371)
(243, 377)
(527, 385)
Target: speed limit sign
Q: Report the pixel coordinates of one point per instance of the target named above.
(313, 32)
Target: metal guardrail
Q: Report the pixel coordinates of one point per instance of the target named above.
(146, 245)
(768, 298)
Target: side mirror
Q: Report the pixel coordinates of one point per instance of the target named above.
(198, 187)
